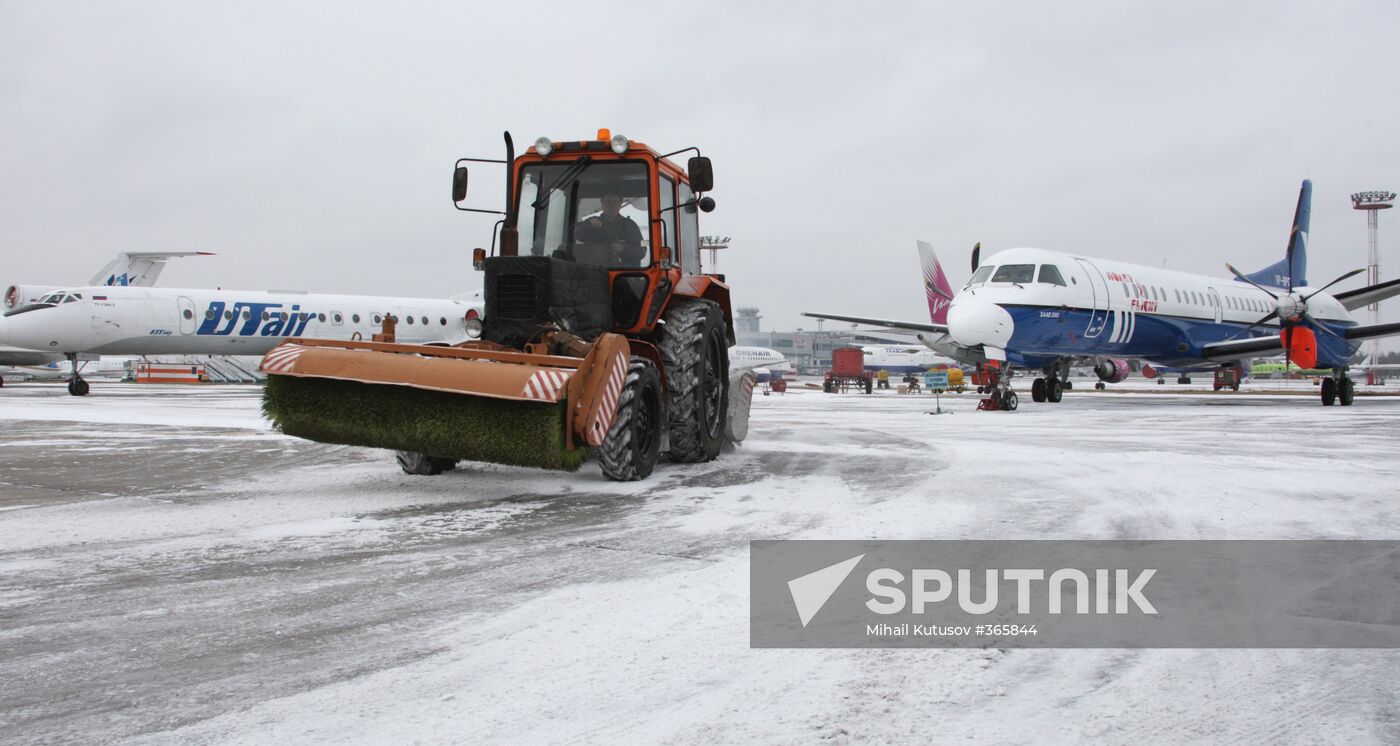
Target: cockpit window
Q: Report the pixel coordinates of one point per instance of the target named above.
(71, 297)
(981, 275)
(1050, 275)
(54, 298)
(1014, 273)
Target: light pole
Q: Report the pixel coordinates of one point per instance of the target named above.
(1372, 203)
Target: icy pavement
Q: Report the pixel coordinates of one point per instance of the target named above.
(171, 571)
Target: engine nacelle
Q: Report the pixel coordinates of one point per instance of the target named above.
(23, 295)
(1148, 371)
(1111, 371)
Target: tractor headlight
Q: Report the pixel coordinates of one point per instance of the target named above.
(544, 146)
(619, 144)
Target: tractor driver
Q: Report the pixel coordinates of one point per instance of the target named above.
(616, 233)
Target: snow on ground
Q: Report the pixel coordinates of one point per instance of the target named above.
(171, 571)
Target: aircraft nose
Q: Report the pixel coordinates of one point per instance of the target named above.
(973, 321)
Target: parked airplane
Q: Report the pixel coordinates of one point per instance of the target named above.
(1048, 310)
(761, 360)
(132, 268)
(901, 359)
(168, 321)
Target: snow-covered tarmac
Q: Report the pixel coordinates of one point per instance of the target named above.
(172, 571)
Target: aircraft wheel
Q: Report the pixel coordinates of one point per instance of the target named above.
(1329, 391)
(1054, 391)
(1009, 402)
(1100, 386)
(78, 387)
(1038, 390)
(1346, 391)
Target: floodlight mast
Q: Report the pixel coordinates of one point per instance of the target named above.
(1373, 202)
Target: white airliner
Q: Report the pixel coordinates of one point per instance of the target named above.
(1047, 310)
(129, 268)
(170, 321)
(901, 359)
(761, 360)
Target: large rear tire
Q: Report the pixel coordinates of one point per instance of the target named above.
(634, 441)
(1329, 391)
(1346, 392)
(1038, 390)
(695, 351)
(1054, 390)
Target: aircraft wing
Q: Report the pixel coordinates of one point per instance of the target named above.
(1373, 331)
(1271, 345)
(1234, 349)
(903, 325)
(1362, 297)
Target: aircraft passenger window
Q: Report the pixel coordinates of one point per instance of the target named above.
(266, 316)
(320, 317)
(410, 320)
(337, 318)
(187, 313)
(1050, 275)
(1126, 294)
(282, 316)
(425, 321)
(1178, 294)
(981, 275)
(355, 318)
(209, 315)
(1015, 273)
(442, 321)
(377, 318)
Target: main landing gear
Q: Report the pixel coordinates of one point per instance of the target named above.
(1052, 387)
(1338, 389)
(76, 385)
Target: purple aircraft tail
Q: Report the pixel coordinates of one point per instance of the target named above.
(936, 286)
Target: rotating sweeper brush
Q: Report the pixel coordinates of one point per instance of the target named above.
(601, 333)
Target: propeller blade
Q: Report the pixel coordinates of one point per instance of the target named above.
(1314, 322)
(1287, 349)
(1272, 315)
(1352, 273)
(1241, 276)
(976, 255)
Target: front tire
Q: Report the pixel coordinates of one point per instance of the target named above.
(1009, 401)
(695, 351)
(1038, 390)
(1329, 392)
(633, 443)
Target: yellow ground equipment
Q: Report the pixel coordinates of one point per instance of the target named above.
(601, 333)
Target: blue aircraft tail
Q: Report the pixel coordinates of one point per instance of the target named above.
(1292, 271)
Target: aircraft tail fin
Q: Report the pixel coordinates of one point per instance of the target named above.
(138, 268)
(1292, 270)
(936, 286)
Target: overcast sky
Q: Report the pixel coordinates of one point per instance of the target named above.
(311, 144)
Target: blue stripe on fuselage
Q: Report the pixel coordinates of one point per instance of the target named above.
(1042, 334)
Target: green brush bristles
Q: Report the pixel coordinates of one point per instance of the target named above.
(402, 418)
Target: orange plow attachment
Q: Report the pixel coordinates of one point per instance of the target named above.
(469, 402)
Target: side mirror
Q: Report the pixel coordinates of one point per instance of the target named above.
(702, 176)
(459, 184)
(707, 204)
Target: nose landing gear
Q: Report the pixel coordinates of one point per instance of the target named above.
(76, 385)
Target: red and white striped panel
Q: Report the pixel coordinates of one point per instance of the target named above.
(545, 385)
(281, 358)
(607, 404)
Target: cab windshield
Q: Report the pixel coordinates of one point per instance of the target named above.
(593, 213)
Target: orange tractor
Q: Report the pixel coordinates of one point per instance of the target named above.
(601, 333)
